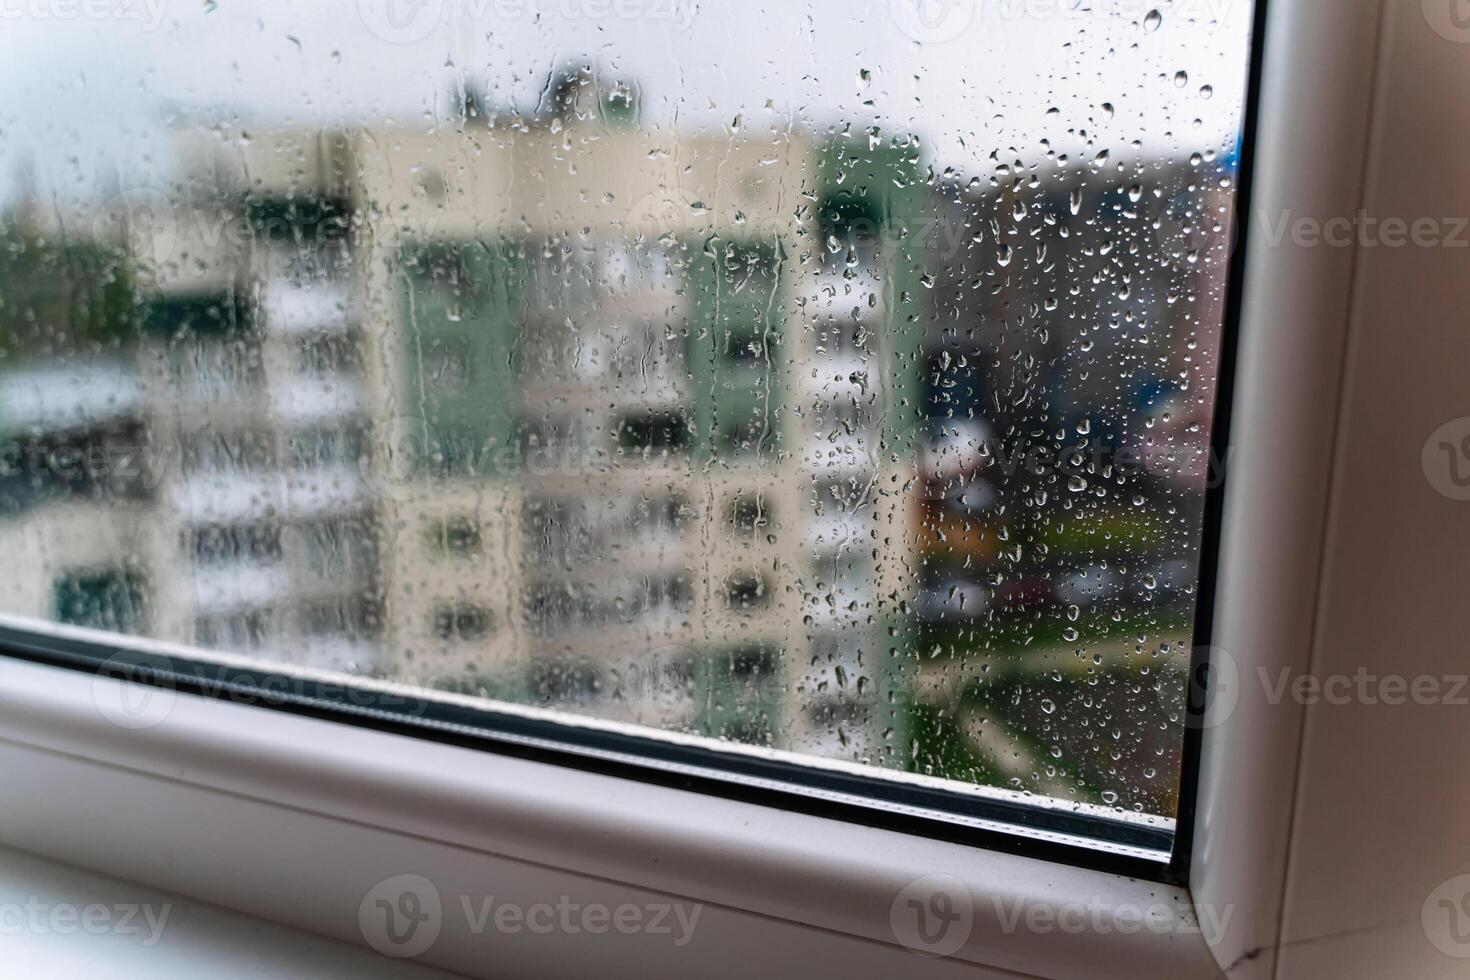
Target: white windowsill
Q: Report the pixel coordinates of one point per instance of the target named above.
(364, 806)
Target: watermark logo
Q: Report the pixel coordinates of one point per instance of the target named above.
(150, 224)
(1446, 459)
(1450, 19)
(1148, 14)
(1214, 689)
(1218, 686)
(395, 465)
(134, 694)
(1363, 687)
(404, 915)
(136, 690)
(413, 456)
(144, 219)
(932, 21)
(1100, 917)
(933, 915)
(1364, 230)
(567, 917)
(411, 21)
(113, 467)
(1446, 917)
(671, 210)
(401, 916)
(401, 21)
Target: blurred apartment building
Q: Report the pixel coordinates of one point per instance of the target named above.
(652, 462)
(551, 407)
(214, 498)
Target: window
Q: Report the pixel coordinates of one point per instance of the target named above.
(214, 450)
(458, 535)
(223, 544)
(652, 435)
(104, 599)
(243, 631)
(749, 513)
(493, 381)
(461, 621)
(325, 356)
(746, 590)
(326, 446)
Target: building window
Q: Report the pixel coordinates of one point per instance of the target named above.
(463, 621)
(747, 590)
(458, 535)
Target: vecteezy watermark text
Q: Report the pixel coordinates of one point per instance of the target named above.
(404, 915)
(95, 919)
(1364, 230)
(409, 21)
(936, 915)
(1224, 686)
(1099, 916)
(941, 21)
(153, 681)
(1364, 687)
(147, 12)
(83, 461)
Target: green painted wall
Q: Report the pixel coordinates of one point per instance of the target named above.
(461, 316)
(882, 191)
(735, 351)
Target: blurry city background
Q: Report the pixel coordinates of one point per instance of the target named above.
(772, 428)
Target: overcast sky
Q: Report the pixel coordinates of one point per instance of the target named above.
(86, 79)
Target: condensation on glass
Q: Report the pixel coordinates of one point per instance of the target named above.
(829, 378)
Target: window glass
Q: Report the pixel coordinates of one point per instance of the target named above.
(831, 379)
